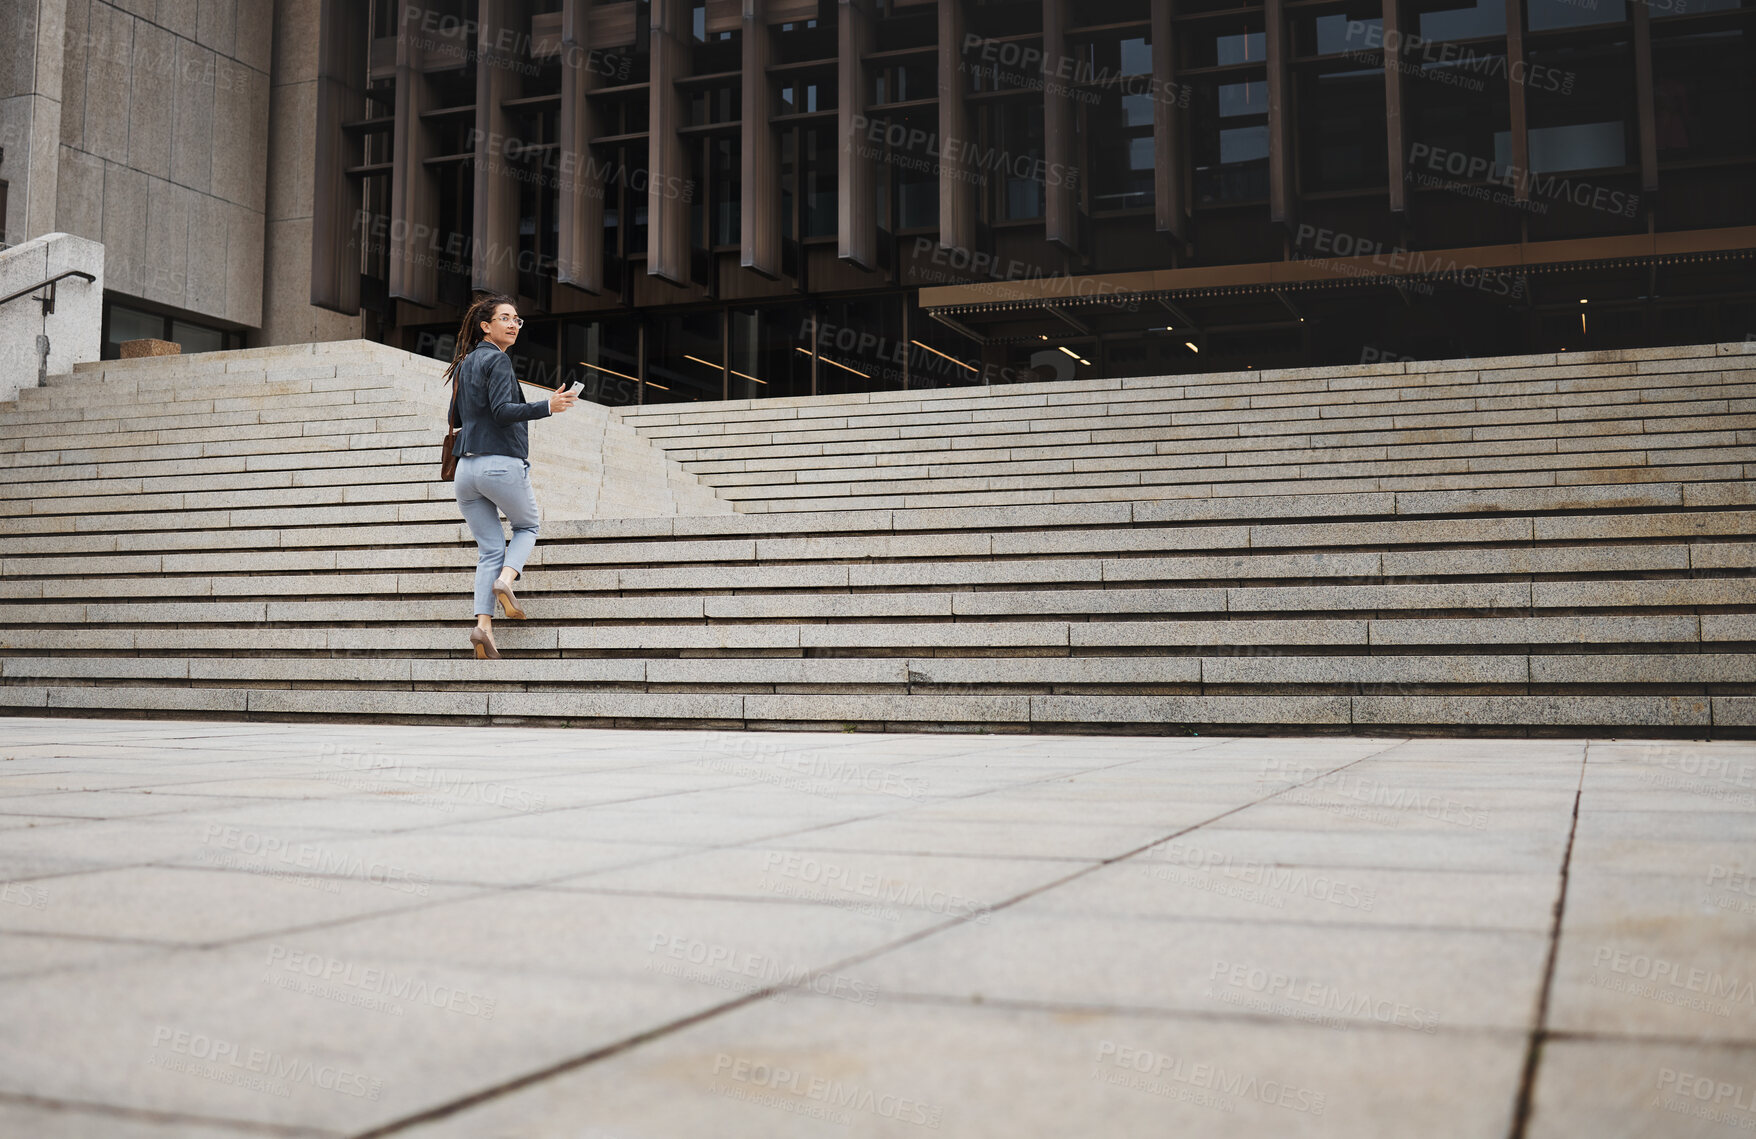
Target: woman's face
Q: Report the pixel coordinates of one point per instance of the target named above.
(502, 330)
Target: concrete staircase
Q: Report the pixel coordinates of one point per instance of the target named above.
(1524, 544)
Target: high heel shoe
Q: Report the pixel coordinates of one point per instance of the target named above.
(484, 643)
(508, 600)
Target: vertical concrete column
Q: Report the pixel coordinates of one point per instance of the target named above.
(667, 243)
(1282, 201)
(495, 265)
(1517, 71)
(857, 202)
(759, 217)
(414, 199)
(957, 190)
(1170, 204)
(580, 256)
(1396, 147)
(338, 90)
(1060, 194)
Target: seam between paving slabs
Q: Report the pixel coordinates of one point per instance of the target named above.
(1539, 1033)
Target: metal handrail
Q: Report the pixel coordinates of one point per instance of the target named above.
(49, 301)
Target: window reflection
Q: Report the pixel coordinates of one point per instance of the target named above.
(684, 358)
(1445, 20)
(1581, 113)
(1231, 142)
(766, 359)
(1542, 15)
(1703, 93)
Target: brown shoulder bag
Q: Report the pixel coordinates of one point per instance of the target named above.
(447, 457)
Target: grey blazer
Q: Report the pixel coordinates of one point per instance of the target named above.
(488, 408)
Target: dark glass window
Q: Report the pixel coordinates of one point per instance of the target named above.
(685, 358)
(1120, 129)
(860, 346)
(771, 352)
(901, 82)
(1703, 94)
(605, 356)
(727, 190)
(802, 98)
(1336, 33)
(1230, 140)
(817, 193)
(719, 104)
(1581, 104)
(940, 357)
(1341, 130)
(1016, 137)
(1445, 20)
(122, 323)
(1460, 127)
(1543, 15)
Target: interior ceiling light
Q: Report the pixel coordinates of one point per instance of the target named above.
(843, 367)
(1069, 351)
(1190, 344)
(608, 371)
(953, 359)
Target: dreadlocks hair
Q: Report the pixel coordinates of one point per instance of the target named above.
(470, 334)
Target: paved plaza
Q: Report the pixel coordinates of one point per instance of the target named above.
(258, 929)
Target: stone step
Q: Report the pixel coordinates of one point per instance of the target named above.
(897, 712)
(240, 519)
(57, 405)
(256, 449)
(315, 572)
(1609, 419)
(1637, 466)
(1450, 597)
(1148, 493)
(910, 419)
(923, 673)
(197, 432)
(1173, 440)
(1561, 370)
(1606, 450)
(387, 474)
(202, 505)
(1240, 500)
(1084, 396)
(400, 482)
(1018, 636)
(1190, 524)
(355, 416)
(44, 469)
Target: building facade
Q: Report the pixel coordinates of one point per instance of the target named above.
(179, 134)
(752, 198)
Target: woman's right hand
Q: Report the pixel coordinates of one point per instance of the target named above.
(561, 401)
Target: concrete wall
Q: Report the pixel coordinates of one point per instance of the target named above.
(31, 33)
(287, 314)
(164, 147)
(73, 331)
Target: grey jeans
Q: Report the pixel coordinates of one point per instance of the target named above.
(487, 486)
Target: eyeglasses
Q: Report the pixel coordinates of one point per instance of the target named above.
(514, 321)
